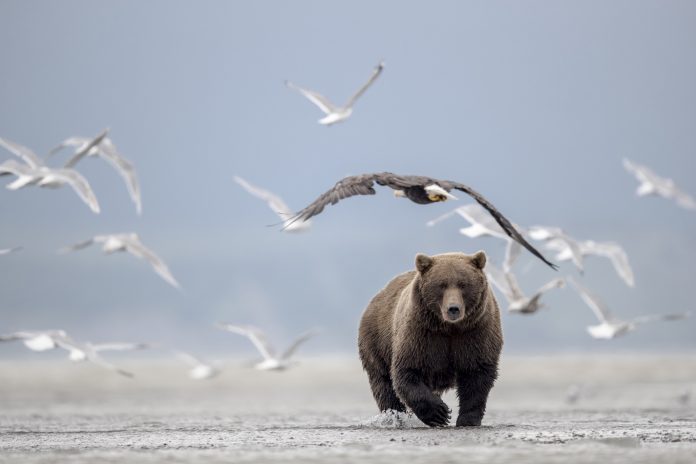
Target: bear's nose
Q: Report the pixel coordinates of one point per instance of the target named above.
(453, 311)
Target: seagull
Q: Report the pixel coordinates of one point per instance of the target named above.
(200, 370)
(277, 205)
(104, 148)
(52, 339)
(270, 362)
(131, 244)
(79, 352)
(334, 113)
(506, 282)
(7, 251)
(35, 172)
(609, 326)
(652, 184)
(613, 251)
(556, 238)
(419, 189)
(36, 340)
(482, 224)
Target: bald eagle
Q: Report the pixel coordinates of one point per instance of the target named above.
(419, 189)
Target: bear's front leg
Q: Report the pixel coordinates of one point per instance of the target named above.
(427, 406)
(473, 387)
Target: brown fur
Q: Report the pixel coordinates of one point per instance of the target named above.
(414, 344)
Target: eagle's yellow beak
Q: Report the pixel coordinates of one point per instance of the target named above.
(437, 197)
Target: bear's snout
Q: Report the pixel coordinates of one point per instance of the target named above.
(453, 312)
(452, 305)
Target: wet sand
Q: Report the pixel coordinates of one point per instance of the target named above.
(628, 410)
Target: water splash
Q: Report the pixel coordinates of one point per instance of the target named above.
(391, 419)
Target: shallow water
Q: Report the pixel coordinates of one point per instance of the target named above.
(628, 410)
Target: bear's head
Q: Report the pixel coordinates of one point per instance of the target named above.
(452, 286)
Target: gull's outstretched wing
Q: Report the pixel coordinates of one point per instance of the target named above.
(438, 219)
(86, 148)
(512, 252)
(321, 101)
(6, 251)
(77, 246)
(189, 359)
(23, 152)
(375, 74)
(252, 333)
(69, 142)
(481, 222)
(615, 253)
(120, 346)
(274, 201)
(296, 344)
(683, 199)
(600, 310)
(80, 185)
(500, 281)
(125, 168)
(550, 285)
(16, 168)
(661, 317)
(136, 248)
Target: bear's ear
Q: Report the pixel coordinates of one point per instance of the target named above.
(423, 262)
(479, 259)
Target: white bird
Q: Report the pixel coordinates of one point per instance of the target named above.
(52, 339)
(36, 340)
(652, 184)
(611, 327)
(7, 251)
(127, 243)
(106, 150)
(518, 302)
(613, 251)
(555, 238)
(79, 352)
(200, 369)
(35, 172)
(277, 205)
(335, 113)
(270, 362)
(482, 223)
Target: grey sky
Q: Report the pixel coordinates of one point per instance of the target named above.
(532, 103)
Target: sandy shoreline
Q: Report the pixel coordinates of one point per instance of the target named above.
(628, 410)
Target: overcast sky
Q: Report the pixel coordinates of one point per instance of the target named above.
(532, 103)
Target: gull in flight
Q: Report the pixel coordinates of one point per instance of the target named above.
(611, 327)
(506, 282)
(652, 184)
(35, 172)
(36, 340)
(419, 189)
(482, 223)
(270, 362)
(277, 205)
(557, 237)
(106, 150)
(127, 243)
(200, 369)
(334, 113)
(7, 251)
(613, 251)
(52, 339)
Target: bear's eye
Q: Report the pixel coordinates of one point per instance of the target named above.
(442, 286)
(461, 285)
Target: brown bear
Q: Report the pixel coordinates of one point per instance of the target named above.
(430, 330)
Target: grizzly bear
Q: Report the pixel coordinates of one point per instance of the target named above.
(430, 330)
